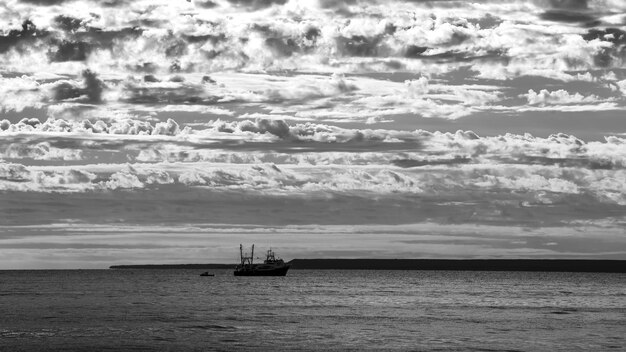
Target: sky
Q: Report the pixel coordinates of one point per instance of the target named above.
(171, 131)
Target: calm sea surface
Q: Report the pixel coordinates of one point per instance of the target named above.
(141, 310)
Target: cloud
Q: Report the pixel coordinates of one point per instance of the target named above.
(24, 36)
(417, 87)
(39, 151)
(257, 4)
(545, 97)
(16, 177)
(378, 145)
(534, 185)
(613, 44)
(292, 57)
(165, 93)
(45, 2)
(568, 16)
(71, 51)
(13, 172)
(622, 86)
(120, 127)
(19, 93)
(123, 180)
(566, 4)
(69, 23)
(307, 89)
(207, 4)
(311, 158)
(90, 92)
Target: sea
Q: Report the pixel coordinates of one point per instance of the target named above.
(308, 310)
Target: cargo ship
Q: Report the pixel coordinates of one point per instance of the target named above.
(272, 266)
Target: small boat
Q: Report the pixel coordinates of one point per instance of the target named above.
(272, 266)
(206, 273)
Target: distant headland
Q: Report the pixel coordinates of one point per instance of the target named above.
(562, 265)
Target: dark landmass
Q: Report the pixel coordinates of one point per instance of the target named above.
(563, 265)
(566, 265)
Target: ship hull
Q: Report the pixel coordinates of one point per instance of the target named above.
(281, 271)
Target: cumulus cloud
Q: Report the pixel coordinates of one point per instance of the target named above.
(38, 151)
(417, 87)
(442, 148)
(561, 96)
(19, 93)
(312, 89)
(145, 56)
(191, 40)
(123, 180)
(17, 177)
(311, 158)
(441, 180)
(119, 126)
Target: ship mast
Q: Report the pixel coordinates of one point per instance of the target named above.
(241, 253)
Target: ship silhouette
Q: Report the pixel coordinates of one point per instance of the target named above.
(272, 266)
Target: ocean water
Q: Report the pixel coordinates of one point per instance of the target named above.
(161, 310)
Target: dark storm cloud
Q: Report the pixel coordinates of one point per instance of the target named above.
(93, 86)
(70, 51)
(282, 46)
(176, 94)
(207, 4)
(286, 45)
(488, 21)
(408, 163)
(577, 162)
(177, 49)
(414, 51)
(45, 2)
(145, 67)
(27, 35)
(114, 3)
(569, 16)
(567, 4)
(66, 90)
(336, 3)
(312, 33)
(107, 38)
(569, 11)
(76, 45)
(377, 45)
(417, 52)
(150, 78)
(607, 56)
(91, 92)
(359, 45)
(257, 4)
(213, 39)
(68, 23)
(613, 35)
(340, 8)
